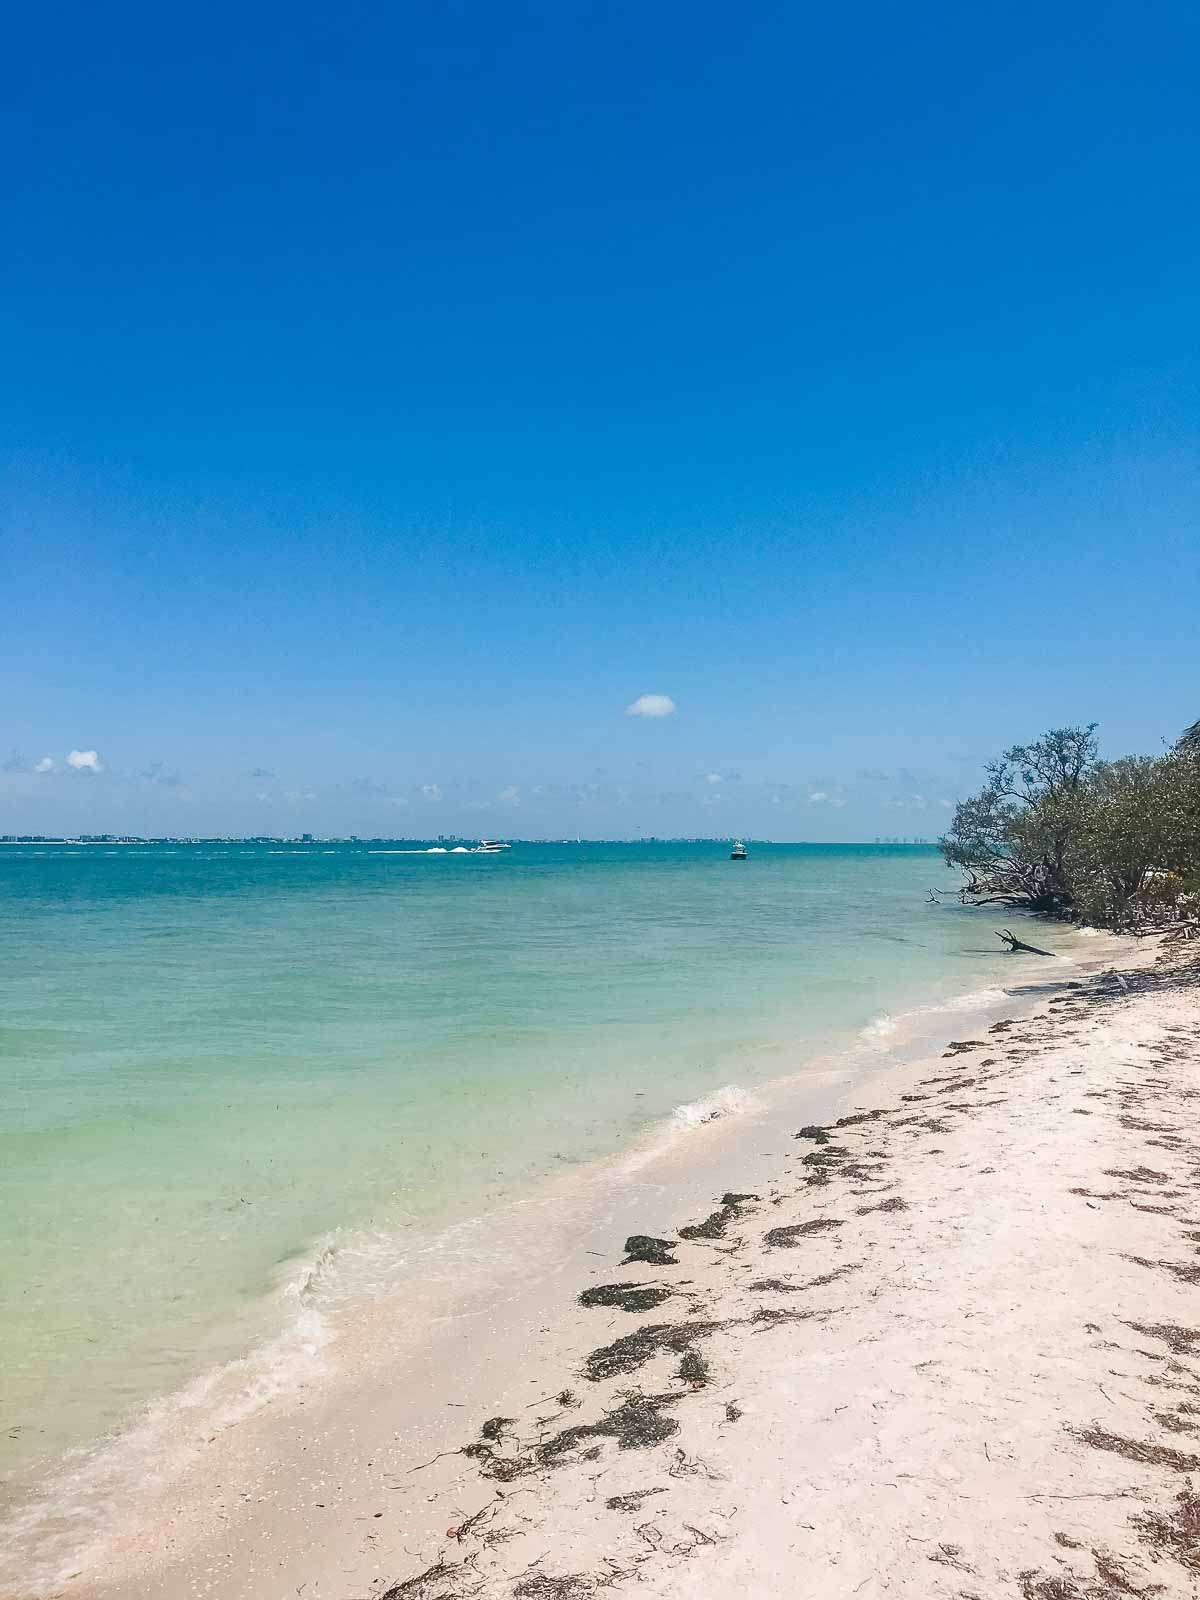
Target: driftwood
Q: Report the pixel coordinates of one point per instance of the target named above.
(1014, 944)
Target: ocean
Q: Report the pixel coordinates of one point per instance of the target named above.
(229, 1072)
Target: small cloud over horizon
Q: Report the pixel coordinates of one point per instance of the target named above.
(85, 761)
(651, 705)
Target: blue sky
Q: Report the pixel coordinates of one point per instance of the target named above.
(395, 396)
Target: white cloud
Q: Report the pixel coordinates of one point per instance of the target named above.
(46, 764)
(817, 797)
(84, 761)
(510, 796)
(946, 805)
(713, 777)
(651, 705)
(432, 791)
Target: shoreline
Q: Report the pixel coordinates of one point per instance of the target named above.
(328, 1465)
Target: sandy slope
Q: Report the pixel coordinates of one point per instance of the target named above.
(974, 1372)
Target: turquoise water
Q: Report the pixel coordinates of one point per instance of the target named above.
(213, 1057)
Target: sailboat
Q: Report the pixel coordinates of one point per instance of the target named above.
(739, 852)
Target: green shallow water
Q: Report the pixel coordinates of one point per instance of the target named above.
(211, 1058)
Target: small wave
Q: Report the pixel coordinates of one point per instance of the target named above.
(730, 1101)
(881, 1030)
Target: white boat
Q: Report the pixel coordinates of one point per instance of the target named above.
(489, 847)
(739, 851)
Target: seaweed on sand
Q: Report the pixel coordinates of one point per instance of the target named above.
(1180, 1341)
(430, 1584)
(781, 1285)
(693, 1369)
(771, 1316)
(625, 1296)
(1177, 1533)
(635, 1349)
(1155, 1455)
(493, 1465)
(836, 1160)
(785, 1238)
(1036, 1587)
(540, 1587)
(1185, 1271)
(828, 1156)
(813, 1132)
(632, 1500)
(714, 1225)
(654, 1252)
(636, 1423)
(894, 1204)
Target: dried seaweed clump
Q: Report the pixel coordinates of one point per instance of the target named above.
(813, 1132)
(625, 1296)
(428, 1585)
(1180, 1341)
(785, 1238)
(654, 1252)
(540, 1587)
(1034, 1586)
(894, 1204)
(1185, 1271)
(693, 1369)
(1154, 1455)
(714, 1225)
(632, 1500)
(635, 1349)
(1178, 1533)
(634, 1424)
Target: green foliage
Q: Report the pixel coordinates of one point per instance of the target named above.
(1061, 833)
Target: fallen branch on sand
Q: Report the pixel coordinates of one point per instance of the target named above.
(1014, 944)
